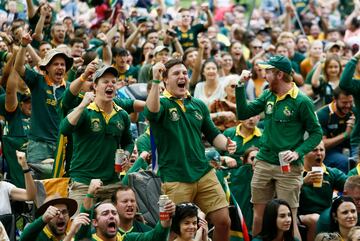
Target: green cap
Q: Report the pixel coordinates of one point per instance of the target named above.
(277, 62)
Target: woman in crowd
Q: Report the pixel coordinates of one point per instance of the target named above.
(227, 64)
(277, 223)
(256, 85)
(343, 216)
(315, 52)
(210, 89)
(236, 52)
(224, 110)
(324, 84)
(186, 221)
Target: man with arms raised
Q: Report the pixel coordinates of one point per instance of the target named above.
(177, 121)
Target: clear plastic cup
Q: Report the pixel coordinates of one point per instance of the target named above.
(318, 182)
(285, 166)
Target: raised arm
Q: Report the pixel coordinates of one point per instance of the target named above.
(76, 85)
(153, 99)
(131, 40)
(28, 194)
(347, 82)
(197, 68)
(210, 19)
(315, 80)
(30, 9)
(44, 11)
(75, 115)
(20, 57)
(107, 55)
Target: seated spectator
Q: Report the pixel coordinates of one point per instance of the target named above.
(51, 220)
(246, 135)
(240, 184)
(187, 223)
(257, 84)
(125, 202)
(326, 78)
(277, 222)
(210, 89)
(223, 109)
(343, 216)
(106, 221)
(315, 52)
(352, 189)
(10, 192)
(315, 199)
(337, 122)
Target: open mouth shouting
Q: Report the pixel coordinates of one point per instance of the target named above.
(130, 211)
(109, 92)
(111, 227)
(61, 226)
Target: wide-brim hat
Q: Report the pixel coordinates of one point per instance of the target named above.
(57, 199)
(51, 54)
(105, 69)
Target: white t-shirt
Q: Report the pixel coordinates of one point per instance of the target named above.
(199, 93)
(5, 190)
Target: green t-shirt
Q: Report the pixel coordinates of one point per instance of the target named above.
(95, 142)
(189, 39)
(17, 123)
(333, 125)
(352, 86)
(177, 135)
(130, 73)
(138, 227)
(242, 144)
(285, 123)
(316, 200)
(45, 119)
(296, 61)
(143, 142)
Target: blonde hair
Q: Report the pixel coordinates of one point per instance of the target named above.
(286, 35)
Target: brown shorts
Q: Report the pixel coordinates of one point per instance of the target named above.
(268, 181)
(207, 193)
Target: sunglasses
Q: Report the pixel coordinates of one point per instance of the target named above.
(233, 86)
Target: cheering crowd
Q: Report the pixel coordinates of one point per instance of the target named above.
(247, 113)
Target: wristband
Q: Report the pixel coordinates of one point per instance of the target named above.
(26, 170)
(346, 135)
(89, 195)
(82, 79)
(23, 45)
(156, 81)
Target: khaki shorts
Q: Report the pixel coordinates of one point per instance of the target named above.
(207, 193)
(268, 181)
